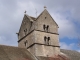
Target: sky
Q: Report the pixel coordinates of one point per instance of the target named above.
(66, 13)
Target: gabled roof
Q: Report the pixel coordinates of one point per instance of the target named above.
(57, 57)
(49, 14)
(16, 53)
(65, 55)
(33, 18)
(30, 18)
(73, 55)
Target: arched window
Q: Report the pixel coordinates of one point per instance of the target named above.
(46, 27)
(25, 31)
(25, 43)
(45, 17)
(47, 40)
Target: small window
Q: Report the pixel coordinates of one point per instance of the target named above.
(31, 23)
(45, 17)
(47, 40)
(26, 43)
(25, 31)
(46, 27)
(24, 22)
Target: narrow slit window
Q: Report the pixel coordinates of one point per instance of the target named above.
(45, 17)
(26, 43)
(48, 41)
(44, 27)
(45, 39)
(47, 28)
(25, 31)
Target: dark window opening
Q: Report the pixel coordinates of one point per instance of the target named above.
(25, 43)
(31, 25)
(47, 40)
(46, 27)
(24, 22)
(45, 17)
(25, 31)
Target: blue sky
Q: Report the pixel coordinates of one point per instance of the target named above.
(65, 12)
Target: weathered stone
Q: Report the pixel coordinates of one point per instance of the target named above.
(36, 31)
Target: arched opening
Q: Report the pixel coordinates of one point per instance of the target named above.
(46, 28)
(26, 43)
(25, 31)
(47, 40)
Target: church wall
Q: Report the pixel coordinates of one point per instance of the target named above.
(43, 40)
(39, 38)
(47, 51)
(32, 49)
(26, 27)
(57, 50)
(30, 40)
(46, 19)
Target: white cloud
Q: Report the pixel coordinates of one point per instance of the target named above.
(62, 6)
(78, 50)
(67, 46)
(2, 38)
(8, 40)
(11, 14)
(71, 46)
(66, 27)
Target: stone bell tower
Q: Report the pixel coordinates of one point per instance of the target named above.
(39, 35)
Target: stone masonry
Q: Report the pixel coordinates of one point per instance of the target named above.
(39, 35)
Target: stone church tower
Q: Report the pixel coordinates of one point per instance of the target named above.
(39, 35)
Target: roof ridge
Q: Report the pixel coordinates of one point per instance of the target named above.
(29, 17)
(5, 52)
(10, 46)
(49, 14)
(69, 50)
(40, 14)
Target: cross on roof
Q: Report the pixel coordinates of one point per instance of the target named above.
(25, 12)
(45, 7)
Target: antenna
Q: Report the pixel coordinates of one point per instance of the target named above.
(36, 12)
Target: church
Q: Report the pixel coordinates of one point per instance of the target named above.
(38, 39)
